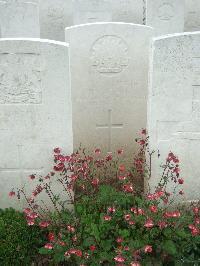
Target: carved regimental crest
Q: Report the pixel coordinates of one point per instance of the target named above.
(20, 79)
(166, 11)
(109, 55)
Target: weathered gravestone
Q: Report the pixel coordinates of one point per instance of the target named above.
(109, 78)
(165, 16)
(89, 11)
(19, 19)
(174, 106)
(192, 15)
(35, 109)
(55, 15)
(128, 11)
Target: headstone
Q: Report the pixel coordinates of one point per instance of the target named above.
(174, 105)
(165, 16)
(55, 15)
(109, 79)
(131, 11)
(19, 19)
(35, 109)
(90, 11)
(192, 15)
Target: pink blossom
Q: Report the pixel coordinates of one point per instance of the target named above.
(195, 210)
(122, 177)
(51, 236)
(92, 248)
(27, 210)
(148, 249)
(107, 218)
(149, 223)
(180, 181)
(44, 224)
(97, 151)
(30, 222)
(111, 209)
(128, 188)
(70, 228)
(127, 217)
(131, 222)
(120, 151)
(119, 240)
(122, 168)
(11, 194)
(135, 263)
(174, 214)
(57, 150)
(48, 246)
(95, 182)
(119, 258)
(153, 209)
(32, 177)
(32, 215)
(162, 224)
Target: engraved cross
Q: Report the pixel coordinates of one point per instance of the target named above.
(110, 126)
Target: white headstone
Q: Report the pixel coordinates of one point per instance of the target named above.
(165, 16)
(174, 105)
(55, 15)
(128, 11)
(35, 109)
(19, 19)
(90, 11)
(109, 78)
(192, 15)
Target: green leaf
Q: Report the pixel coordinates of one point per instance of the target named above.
(45, 251)
(170, 247)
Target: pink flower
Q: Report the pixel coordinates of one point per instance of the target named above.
(76, 252)
(180, 181)
(131, 222)
(195, 210)
(57, 150)
(119, 258)
(32, 177)
(109, 157)
(119, 240)
(51, 236)
(135, 263)
(59, 167)
(128, 188)
(32, 215)
(148, 249)
(194, 230)
(92, 248)
(107, 218)
(120, 151)
(174, 214)
(143, 132)
(127, 217)
(162, 224)
(11, 194)
(122, 168)
(44, 224)
(30, 222)
(97, 151)
(122, 177)
(149, 223)
(153, 209)
(95, 182)
(27, 210)
(48, 246)
(61, 243)
(111, 209)
(197, 220)
(70, 228)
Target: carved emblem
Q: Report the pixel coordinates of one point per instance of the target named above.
(20, 79)
(166, 11)
(109, 55)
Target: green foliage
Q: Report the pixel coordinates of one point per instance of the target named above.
(18, 242)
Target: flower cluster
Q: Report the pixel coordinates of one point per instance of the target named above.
(111, 222)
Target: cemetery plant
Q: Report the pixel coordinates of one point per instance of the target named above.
(106, 218)
(19, 242)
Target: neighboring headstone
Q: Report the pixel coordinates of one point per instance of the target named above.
(174, 105)
(192, 15)
(128, 11)
(165, 16)
(35, 109)
(19, 19)
(109, 79)
(90, 11)
(55, 15)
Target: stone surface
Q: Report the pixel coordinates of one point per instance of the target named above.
(131, 11)
(109, 78)
(165, 16)
(90, 11)
(19, 19)
(192, 15)
(55, 15)
(35, 109)
(174, 105)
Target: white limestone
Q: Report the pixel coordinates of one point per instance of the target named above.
(109, 79)
(174, 105)
(192, 15)
(19, 19)
(131, 11)
(90, 11)
(165, 16)
(35, 109)
(55, 15)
